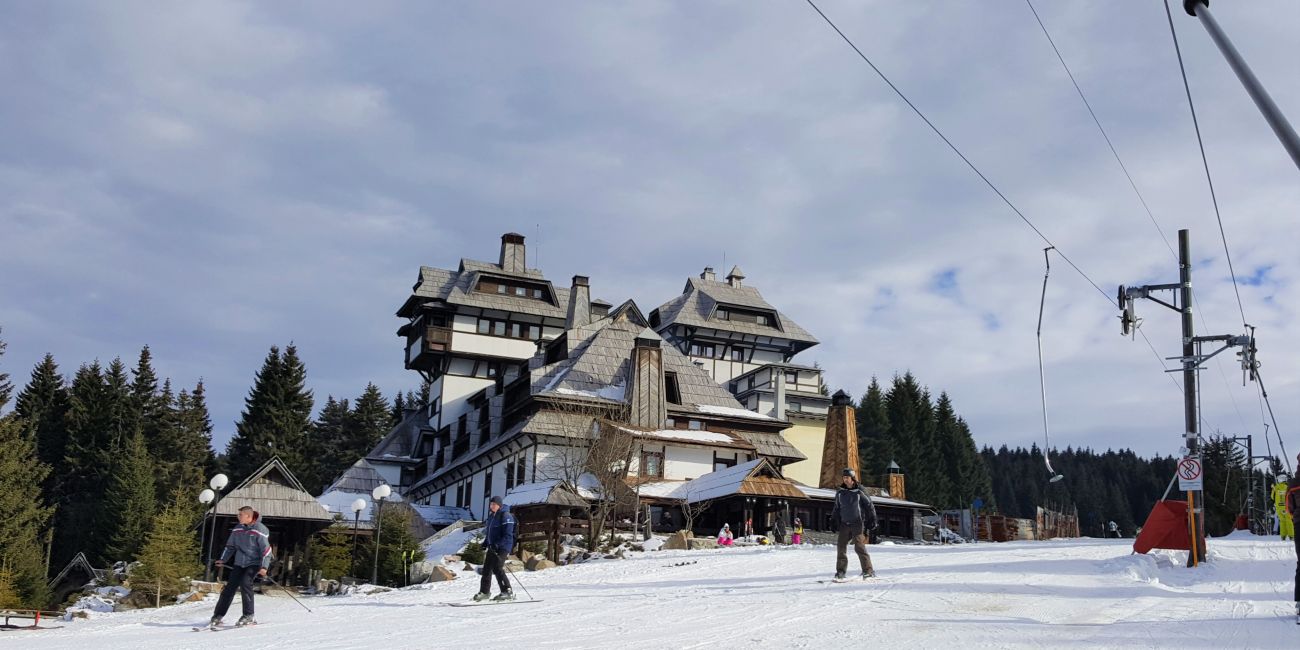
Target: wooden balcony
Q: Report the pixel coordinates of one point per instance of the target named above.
(423, 352)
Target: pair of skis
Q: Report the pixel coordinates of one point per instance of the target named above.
(220, 628)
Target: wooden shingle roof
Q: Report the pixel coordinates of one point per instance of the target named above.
(275, 493)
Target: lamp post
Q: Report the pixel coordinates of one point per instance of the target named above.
(205, 497)
(380, 493)
(357, 507)
(218, 483)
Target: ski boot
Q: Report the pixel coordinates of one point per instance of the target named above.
(869, 573)
(838, 576)
(214, 623)
(505, 596)
(480, 597)
(245, 620)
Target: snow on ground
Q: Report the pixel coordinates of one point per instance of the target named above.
(1075, 593)
(450, 545)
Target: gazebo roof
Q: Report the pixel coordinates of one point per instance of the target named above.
(275, 493)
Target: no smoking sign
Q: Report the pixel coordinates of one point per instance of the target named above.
(1191, 475)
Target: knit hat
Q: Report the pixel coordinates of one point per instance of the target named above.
(848, 471)
(496, 500)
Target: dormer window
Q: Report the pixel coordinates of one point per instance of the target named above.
(512, 288)
(672, 390)
(695, 425)
(723, 314)
(762, 320)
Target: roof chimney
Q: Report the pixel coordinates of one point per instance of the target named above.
(579, 303)
(735, 277)
(647, 405)
(512, 253)
(708, 274)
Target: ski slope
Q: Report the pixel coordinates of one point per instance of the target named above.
(1080, 593)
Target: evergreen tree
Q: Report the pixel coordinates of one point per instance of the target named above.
(395, 538)
(129, 503)
(331, 552)
(276, 417)
(23, 518)
(149, 407)
(399, 408)
(187, 459)
(329, 445)
(123, 417)
(9, 596)
(425, 396)
(367, 424)
(874, 449)
(169, 557)
(6, 388)
(84, 454)
(42, 405)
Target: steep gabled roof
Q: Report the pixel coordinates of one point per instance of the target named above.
(457, 288)
(361, 477)
(699, 302)
(400, 441)
(274, 492)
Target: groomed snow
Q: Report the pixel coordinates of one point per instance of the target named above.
(1077, 593)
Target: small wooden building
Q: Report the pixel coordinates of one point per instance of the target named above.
(288, 511)
(546, 512)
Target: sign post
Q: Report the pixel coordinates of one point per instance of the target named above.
(1191, 479)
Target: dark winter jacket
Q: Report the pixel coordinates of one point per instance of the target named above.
(853, 507)
(248, 546)
(500, 528)
(1293, 498)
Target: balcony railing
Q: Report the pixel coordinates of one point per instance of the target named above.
(437, 339)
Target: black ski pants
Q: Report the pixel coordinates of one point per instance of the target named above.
(493, 565)
(1297, 568)
(853, 533)
(238, 578)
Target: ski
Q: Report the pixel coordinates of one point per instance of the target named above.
(490, 602)
(833, 581)
(220, 628)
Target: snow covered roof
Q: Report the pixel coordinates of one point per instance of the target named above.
(698, 304)
(828, 494)
(756, 477)
(555, 493)
(694, 436)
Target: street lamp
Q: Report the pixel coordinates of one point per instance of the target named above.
(205, 497)
(218, 483)
(380, 493)
(357, 507)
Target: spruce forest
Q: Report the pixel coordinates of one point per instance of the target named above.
(115, 457)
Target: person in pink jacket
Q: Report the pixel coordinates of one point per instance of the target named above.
(724, 536)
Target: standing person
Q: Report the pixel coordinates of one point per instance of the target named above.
(853, 515)
(1293, 511)
(1285, 524)
(500, 540)
(797, 537)
(749, 529)
(779, 529)
(248, 552)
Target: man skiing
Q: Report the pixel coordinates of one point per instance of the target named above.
(1293, 511)
(853, 515)
(500, 540)
(248, 553)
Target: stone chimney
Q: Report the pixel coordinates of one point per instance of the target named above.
(512, 253)
(579, 303)
(736, 277)
(841, 447)
(708, 274)
(648, 409)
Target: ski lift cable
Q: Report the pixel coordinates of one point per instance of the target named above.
(1137, 192)
(982, 177)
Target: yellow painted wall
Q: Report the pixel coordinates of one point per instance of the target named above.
(808, 436)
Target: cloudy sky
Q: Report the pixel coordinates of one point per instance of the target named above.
(215, 178)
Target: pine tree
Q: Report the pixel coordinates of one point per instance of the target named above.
(9, 596)
(331, 552)
(43, 405)
(83, 478)
(123, 418)
(170, 554)
(149, 407)
(130, 502)
(6, 388)
(399, 408)
(874, 449)
(395, 538)
(425, 396)
(367, 424)
(329, 445)
(188, 448)
(23, 518)
(276, 417)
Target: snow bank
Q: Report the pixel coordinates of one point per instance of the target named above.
(94, 603)
(452, 544)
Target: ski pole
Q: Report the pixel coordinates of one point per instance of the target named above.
(286, 590)
(521, 585)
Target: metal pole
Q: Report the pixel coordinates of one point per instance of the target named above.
(1190, 414)
(1276, 120)
(356, 522)
(203, 531)
(207, 571)
(374, 573)
(1250, 483)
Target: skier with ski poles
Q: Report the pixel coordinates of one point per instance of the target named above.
(499, 540)
(248, 551)
(854, 516)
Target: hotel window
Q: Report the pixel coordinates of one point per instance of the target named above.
(702, 350)
(672, 391)
(501, 288)
(695, 425)
(762, 320)
(723, 314)
(521, 291)
(487, 485)
(537, 293)
(652, 464)
(791, 377)
(737, 354)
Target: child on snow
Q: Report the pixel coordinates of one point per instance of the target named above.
(724, 536)
(797, 538)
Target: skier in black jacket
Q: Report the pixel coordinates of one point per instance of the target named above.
(854, 516)
(1293, 509)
